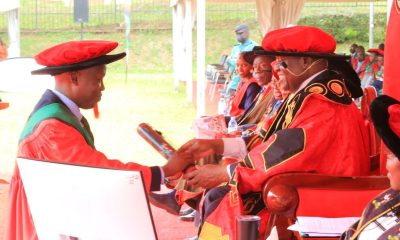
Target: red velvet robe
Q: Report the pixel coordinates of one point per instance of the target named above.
(55, 140)
(319, 130)
(241, 92)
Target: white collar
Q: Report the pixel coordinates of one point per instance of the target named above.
(69, 103)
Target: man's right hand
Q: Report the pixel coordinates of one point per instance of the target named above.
(178, 161)
(199, 148)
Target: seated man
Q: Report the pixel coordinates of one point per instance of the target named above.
(360, 62)
(380, 219)
(372, 67)
(262, 72)
(57, 131)
(352, 50)
(211, 174)
(317, 128)
(379, 74)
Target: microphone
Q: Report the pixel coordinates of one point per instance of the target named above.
(155, 139)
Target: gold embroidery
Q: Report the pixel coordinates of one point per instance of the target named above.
(212, 232)
(233, 197)
(250, 203)
(289, 115)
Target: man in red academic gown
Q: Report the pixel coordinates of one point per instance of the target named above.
(317, 128)
(57, 131)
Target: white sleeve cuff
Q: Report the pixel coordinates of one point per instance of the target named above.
(234, 147)
(162, 175)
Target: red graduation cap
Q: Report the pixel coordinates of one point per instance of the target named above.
(377, 51)
(76, 55)
(307, 41)
(300, 41)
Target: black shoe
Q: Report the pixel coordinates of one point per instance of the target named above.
(188, 218)
(186, 211)
(165, 201)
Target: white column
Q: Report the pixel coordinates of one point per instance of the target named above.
(188, 64)
(201, 61)
(175, 45)
(371, 24)
(13, 33)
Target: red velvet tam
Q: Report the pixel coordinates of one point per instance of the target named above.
(304, 41)
(377, 51)
(76, 55)
(385, 113)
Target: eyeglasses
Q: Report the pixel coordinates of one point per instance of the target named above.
(262, 67)
(279, 63)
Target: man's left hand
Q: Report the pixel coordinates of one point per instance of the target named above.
(207, 176)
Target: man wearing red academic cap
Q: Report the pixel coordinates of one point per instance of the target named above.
(57, 131)
(317, 128)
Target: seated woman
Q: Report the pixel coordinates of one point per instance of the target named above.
(381, 217)
(248, 87)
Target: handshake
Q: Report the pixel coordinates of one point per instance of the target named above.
(179, 160)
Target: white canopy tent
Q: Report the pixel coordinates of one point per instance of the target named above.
(11, 8)
(272, 14)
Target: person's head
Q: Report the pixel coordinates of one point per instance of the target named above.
(244, 66)
(242, 32)
(360, 53)
(262, 70)
(296, 61)
(84, 86)
(78, 68)
(278, 92)
(293, 71)
(393, 168)
(381, 46)
(372, 56)
(385, 114)
(375, 55)
(353, 48)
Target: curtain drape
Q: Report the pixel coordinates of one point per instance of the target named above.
(275, 14)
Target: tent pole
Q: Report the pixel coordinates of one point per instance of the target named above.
(188, 67)
(201, 49)
(371, 24)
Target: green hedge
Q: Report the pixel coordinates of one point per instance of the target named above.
(347, 29)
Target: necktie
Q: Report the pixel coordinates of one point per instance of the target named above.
(87, 127)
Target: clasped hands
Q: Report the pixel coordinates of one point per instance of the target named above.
(205, 176)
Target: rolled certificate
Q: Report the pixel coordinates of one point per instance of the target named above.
(155, 139)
